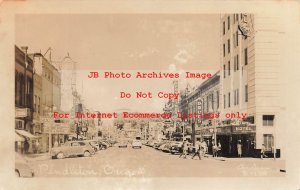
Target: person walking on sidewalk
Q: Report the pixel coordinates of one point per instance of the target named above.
(197, 150)
(239, 149)
(215, 150)
(184, 149)
(262, 152)
(219, 149)
(26, 146)
(204, 148)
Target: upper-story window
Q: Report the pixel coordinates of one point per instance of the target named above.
(228, 21)
(246, 56)
(246, 93)
(228, 68)
(229, 99)
(224, 70)
(268, 120)
(228, 44)
(224, 28)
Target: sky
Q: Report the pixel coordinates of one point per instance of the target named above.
(125, 42)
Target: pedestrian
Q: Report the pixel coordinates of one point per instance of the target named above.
(214, 149)
(184, 149)
(262, 152)
(239, 148)
(26, 146)
(197, 150)
(204, 148)
(219, 149)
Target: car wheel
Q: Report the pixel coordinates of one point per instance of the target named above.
(60, 155)
(17, 173)
(86, 154)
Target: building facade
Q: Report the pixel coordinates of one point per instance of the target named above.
(48, 99)
(250, 84)
(204, 102)
(23, 100)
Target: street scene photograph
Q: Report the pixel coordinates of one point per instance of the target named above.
(149, 95)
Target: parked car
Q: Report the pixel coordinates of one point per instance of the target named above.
(72, 148)
(95, 144)
(122, 144)
(103, 144)
(136, 144)
(175, 147)
(22, 168)
(167, 147)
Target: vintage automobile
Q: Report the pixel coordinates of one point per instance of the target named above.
(122, 144)
(72, 148)
(95, 144)
(136, 144)
(22, 168)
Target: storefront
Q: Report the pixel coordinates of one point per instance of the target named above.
(25, 142)
(207, 134)
(231, 136)
(59, 134)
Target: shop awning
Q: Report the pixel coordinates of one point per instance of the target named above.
(26, 134)
(18, 138)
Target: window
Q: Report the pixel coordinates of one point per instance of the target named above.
(34, 103)
(233, 37)
(207, 103)
(228, 22)
(234, 66)
(212, 101)
(233, 18)
(237, 38)
(237, 17)
(228, 68)
(268, 120)
(224, 50)
(224, 70)
(246, 93)
(268, 141)
(246, 56)
(228, 44)
(218, 99)
(234, 98)
(39, 104)
(229, 99)
(237, 96)
(224, 28)
(224, 98)
(237, 62)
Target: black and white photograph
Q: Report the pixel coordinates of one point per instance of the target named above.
(190, 96)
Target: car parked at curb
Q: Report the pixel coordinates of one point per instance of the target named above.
(22, 168)
(72, 148)
(136, 144)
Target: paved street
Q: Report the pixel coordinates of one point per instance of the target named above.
(148, 162)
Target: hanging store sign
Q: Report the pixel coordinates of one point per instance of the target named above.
(244, 26)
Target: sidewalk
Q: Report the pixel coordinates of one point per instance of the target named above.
(37, 157)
